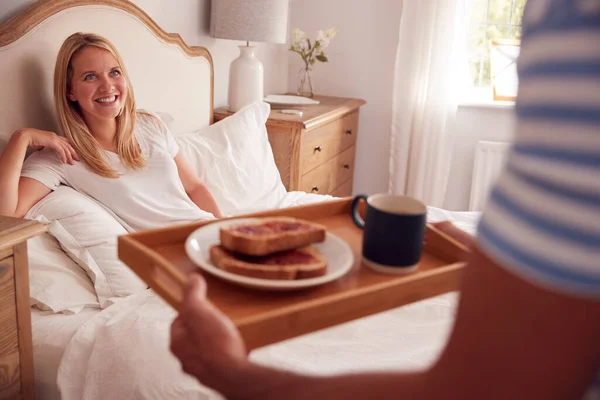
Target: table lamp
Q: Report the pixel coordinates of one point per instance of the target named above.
(252, 21)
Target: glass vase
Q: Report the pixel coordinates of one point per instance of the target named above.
(305, 82)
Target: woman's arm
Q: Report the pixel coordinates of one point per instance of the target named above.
(196, 190)
(18, 195)
(202, 197)
(11, 162)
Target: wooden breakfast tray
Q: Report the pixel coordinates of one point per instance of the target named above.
(159, 258)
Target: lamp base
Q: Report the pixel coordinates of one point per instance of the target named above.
(246, 80)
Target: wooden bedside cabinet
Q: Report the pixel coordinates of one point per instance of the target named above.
(314, 152)
(16, 349)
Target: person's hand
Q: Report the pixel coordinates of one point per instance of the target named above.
(455, 233)
(206, 342)
(39, 139)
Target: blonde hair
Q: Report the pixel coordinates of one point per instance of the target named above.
(71, 119)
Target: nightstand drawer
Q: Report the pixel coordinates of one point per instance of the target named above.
(323, 143)
(9, 339)
(329, 175)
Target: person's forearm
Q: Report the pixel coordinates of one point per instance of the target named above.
(258, 382)
(11, 162)
(202, 197)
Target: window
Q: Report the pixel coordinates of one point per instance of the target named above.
(489, 20)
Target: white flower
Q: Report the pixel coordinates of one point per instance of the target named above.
(303, 45)
(331, 32)
(322, 39)
(299, 36)
(320, 35)
(300, 44)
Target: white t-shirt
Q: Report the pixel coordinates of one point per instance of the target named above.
(145, 198)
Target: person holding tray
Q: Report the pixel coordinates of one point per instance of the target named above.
(124, 158)
(528, 321)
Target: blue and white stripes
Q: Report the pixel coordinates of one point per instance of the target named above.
(543, 218)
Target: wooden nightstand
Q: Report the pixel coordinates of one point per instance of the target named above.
(16, 349)
(315, 152)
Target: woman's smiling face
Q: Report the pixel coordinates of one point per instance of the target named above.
(97, 85)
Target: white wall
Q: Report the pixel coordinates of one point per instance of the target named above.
(361, 65)
(191, 19)
(9, 8)
(474, 124)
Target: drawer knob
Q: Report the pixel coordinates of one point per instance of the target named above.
(318, 148)
(315, 189)
(349, 132)
(346, 166)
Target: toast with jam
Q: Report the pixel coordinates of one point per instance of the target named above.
(270, 235)
(302, 263)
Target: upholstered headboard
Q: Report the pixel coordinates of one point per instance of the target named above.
(167, 75)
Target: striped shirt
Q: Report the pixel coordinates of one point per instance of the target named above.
(543, 218)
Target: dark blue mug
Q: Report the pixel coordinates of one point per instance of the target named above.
(394, 229)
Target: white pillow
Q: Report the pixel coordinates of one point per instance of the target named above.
(55, 282)
(235, 161)
(88, 234)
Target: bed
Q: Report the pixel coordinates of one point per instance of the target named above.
(119, 348)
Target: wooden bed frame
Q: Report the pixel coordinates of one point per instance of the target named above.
(167, 75)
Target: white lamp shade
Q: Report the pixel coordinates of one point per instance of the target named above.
(250, 20)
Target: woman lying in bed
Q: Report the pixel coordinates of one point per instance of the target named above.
(125, 159)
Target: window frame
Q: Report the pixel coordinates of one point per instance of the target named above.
(478, 92)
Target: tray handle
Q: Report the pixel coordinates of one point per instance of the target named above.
(162, 277)
(444, 246)
(167, 281)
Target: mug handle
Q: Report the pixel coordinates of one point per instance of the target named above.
(355, 216)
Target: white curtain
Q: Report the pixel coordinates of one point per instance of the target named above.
(430, 76)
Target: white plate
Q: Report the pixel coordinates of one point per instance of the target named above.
(281, 100)
(337, 252)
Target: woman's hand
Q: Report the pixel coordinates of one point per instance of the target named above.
(206, 342)
(39, 139)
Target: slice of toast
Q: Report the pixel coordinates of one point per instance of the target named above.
(270, 235)
(303, 263)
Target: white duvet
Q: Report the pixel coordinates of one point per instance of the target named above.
(123, 351)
